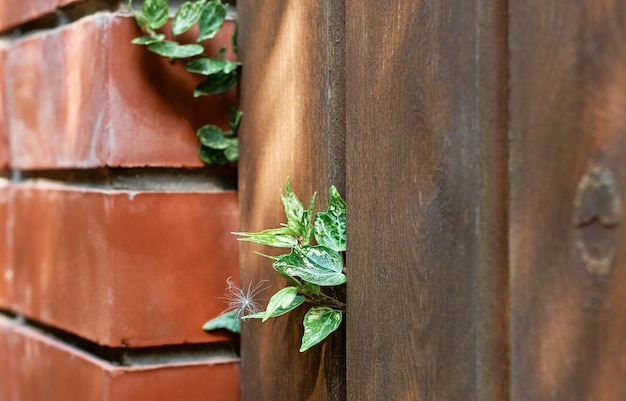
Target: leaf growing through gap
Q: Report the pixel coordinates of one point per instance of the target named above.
(330, 226)
(316, 264)
(319, 322)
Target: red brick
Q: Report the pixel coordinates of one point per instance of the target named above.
(90, 98)
(16, 12)
(4, 134)
(202, 382)
(124, 268)
(6, 273)
(7, 372)
(48, 370)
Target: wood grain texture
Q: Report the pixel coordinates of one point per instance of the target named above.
(568, 174)
(426, 187)
(293, 126)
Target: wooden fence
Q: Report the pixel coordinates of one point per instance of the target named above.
(480, 148)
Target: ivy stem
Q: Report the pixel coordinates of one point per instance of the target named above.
(323, 299)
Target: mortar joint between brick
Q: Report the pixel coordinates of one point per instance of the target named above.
(204, 179)
(60, 17)
(168, 354)
(73, 12)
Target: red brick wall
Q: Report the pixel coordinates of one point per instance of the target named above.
(114, 239)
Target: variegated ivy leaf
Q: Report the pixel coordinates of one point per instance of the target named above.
(234, 119)
(319, 322)
(297, 301)
(316, 264)
(187, 14)
(155, 12)
(228, 321)
(212, 156)
(282, 299)
(234, 41)
(211, 65)
(232, 151)
(148, 39)
(330, 226)
(173, 50)
(215, 83)
(277, 237)
(211, 20)
(298, 219)
(213, 137)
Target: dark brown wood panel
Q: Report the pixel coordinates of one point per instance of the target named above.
(293, 126)
(568, 182)
(426, 160)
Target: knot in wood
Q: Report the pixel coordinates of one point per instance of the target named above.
(597, 212)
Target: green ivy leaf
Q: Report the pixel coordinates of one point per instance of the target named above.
(307, 227)
(206, 65)
(231, 66)
(156, 12)
(212, 156)
(234, 119)
(316, 264)
(330, 226)
(228, 321)
(148, 39)
(282, 299)
(232, 151)
(170, 49)
(210, 66)
(212, 19)
(143, 23)
(235, 36)
(297, 301)
(212, 136)
(298, 219)
(216, 83)
(276, 237)
(319, 322)
(187, 15)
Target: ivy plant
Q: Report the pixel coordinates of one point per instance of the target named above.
(313, 265)
(216, 146)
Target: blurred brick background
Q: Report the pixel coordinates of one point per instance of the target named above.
(114, 238)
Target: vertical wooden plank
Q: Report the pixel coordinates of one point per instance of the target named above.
(426, 187)
(293, 126)
(568, 177)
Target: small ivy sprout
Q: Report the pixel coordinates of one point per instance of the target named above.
(314, 265)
